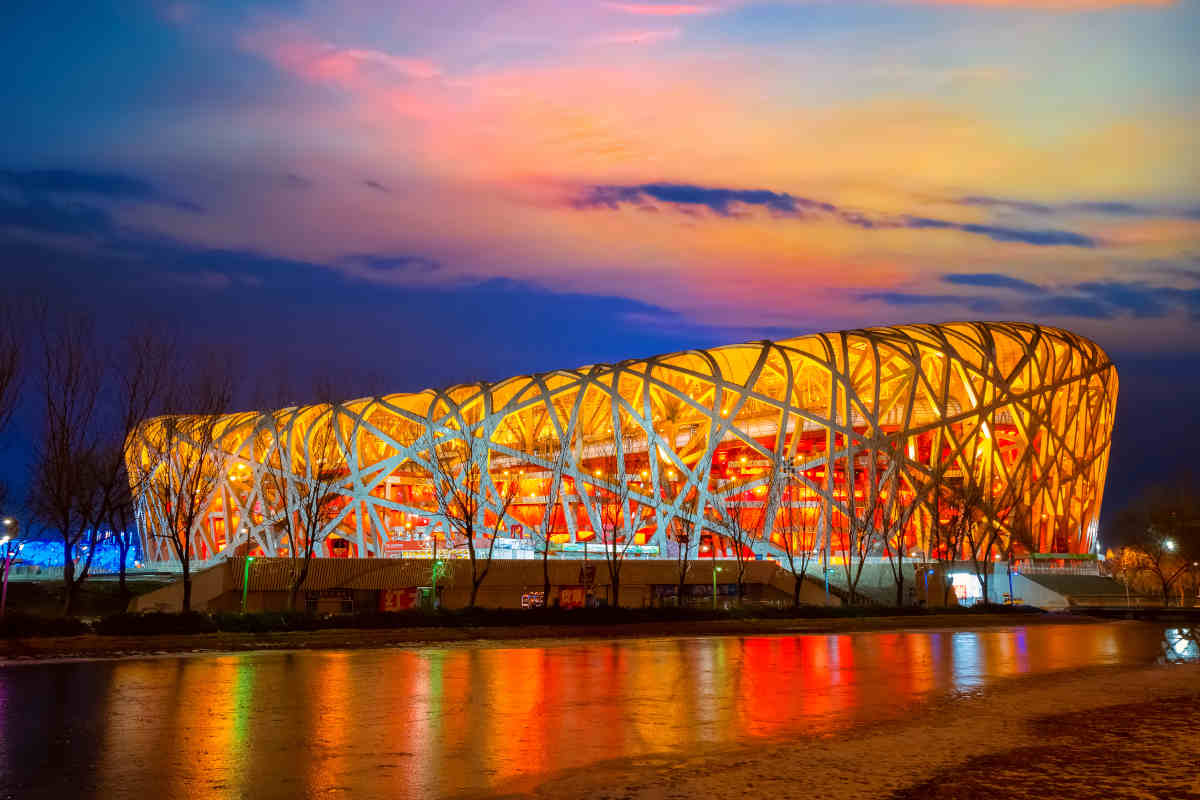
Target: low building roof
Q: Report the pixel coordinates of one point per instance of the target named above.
(275, 574)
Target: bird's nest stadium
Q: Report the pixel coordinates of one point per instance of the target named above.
(823, 439)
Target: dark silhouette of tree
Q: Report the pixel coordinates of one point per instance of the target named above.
(550, 448)
(795, 529)
(12, 361)
(66, 490)
(471, 500)
(142, 373)
(1162, 529)
(682, 531)
(740, 523)
(303, 466)
(615, 509)
(182, 462)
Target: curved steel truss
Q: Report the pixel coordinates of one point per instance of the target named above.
(862, 426)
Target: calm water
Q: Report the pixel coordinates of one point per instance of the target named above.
(422, 722)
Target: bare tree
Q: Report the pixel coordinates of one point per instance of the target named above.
(1162, 529)
(682, 531)
(141, 373)
(469, 498)
(794, 529)
(12, 357)
(897, 515)
(1020, 534)
(557, 452)
(182, 464)
(740, 522)
(303, 466)
(11, 361)
(65, 491)
(858, 521)
(954, 505)
(614, 507)
(985, 532)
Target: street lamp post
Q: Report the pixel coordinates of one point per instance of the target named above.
(11, 551)
(9, 556)
(716, 569)
(245, 580)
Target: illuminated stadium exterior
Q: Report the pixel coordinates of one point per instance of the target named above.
(817, 437)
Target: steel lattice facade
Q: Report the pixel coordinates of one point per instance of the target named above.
(851, 418)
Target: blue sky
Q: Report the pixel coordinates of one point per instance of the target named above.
(412, 194)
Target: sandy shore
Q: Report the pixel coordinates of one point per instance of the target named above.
(16, 651)
(1103, 733)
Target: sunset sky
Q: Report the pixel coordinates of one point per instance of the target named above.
(407, 194)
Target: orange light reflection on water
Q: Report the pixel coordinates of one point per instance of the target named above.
(425, 722)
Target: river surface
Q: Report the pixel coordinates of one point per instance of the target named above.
(431, 721)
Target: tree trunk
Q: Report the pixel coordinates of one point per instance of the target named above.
(297, 582)
(900, 587)
(68, 581)
(679, 590)
(615, 600)
(187, 586)
(546, 575)
(123, 551)
(796, 589)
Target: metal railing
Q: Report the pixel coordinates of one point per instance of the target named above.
(1084, 568)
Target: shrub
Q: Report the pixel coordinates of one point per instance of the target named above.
(21, 626)
(155, 623)
(266, 621)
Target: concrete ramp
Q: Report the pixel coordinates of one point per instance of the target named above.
(1058, 591)
(207, 585)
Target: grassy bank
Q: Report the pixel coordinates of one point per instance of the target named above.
(125, 635)
(98, 596)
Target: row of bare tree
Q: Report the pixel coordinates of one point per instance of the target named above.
(89, 398)
(96, 454)
(965, 518)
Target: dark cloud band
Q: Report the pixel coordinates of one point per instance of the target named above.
(725, 202)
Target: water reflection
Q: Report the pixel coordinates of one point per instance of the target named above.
(1181, 645)
(432, 721)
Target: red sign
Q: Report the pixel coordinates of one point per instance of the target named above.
(572, 596)
(397, 599)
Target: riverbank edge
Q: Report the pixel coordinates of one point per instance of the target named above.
(94, 646)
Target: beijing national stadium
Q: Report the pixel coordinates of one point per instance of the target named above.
(820, 437)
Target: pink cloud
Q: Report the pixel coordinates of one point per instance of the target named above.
(659, 9)
(637, 37)
(321, 62)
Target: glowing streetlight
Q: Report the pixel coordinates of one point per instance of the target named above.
(1170, 545)
(8, 555)
(246, 581)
